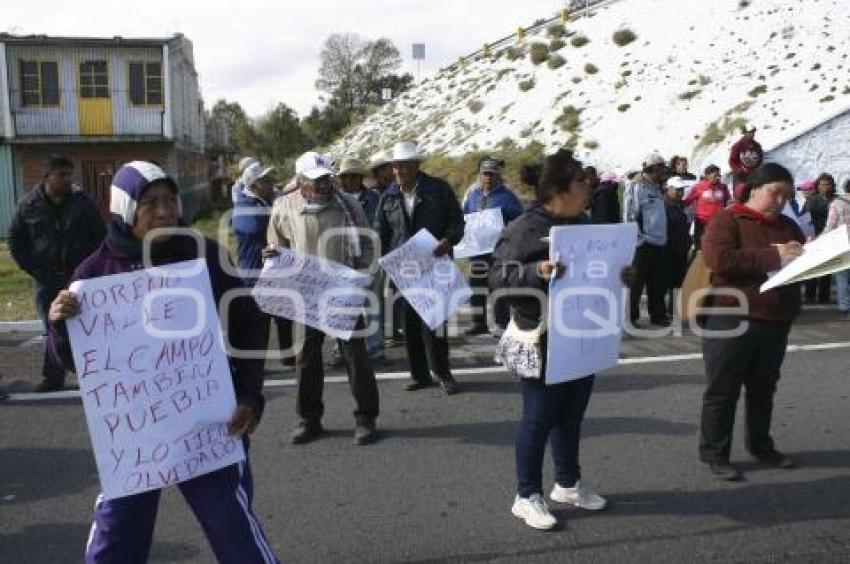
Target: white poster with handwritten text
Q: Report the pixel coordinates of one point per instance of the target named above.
(313, 291)
(586, 303)
(481, 232)
(154, 378)
(434, 287)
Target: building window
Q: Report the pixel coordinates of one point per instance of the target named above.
(146, 84)
(39, 83)
(94, 79)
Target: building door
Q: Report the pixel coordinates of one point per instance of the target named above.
(95, 109)
(97, 178)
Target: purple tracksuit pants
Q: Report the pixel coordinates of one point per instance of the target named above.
(221, 501)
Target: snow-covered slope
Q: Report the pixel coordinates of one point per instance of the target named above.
(697, 71)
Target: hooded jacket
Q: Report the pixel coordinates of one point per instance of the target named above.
(247, 328)
(250, 223)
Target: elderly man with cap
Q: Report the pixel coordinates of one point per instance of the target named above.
(298, 221)
(417, 201)
(381, 169)
(646, 208)
(142, 199)
(250, 224)
(489, 192)
(239, 185)
(351, 174)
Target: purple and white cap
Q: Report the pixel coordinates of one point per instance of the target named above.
(128, 185)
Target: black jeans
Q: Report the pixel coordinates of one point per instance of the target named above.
(752, 360)
(284, 338)
(479, 269)
(310, 373)
(550, 412)
(649, 265)
(427, 350)
(819, 288)
(44, 294)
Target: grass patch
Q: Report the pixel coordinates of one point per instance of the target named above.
(590, 68)
(539, 53)
(555, 61)
(475, 106)
(526, 85)
(757, 91)
(591, 145)
(826, 99)
(579, 41)
(569, 120)
(556, 45)
(556, 30)
(514, 53)
(689, 95)
(623, 108)
(623, 37)
(16, 301)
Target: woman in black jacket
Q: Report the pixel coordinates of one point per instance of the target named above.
(522, 263)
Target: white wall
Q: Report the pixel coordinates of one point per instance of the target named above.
(826, 148)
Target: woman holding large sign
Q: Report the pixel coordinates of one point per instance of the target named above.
(554, 412)
(149, 386)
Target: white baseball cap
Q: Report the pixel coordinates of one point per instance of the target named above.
(254, 172)
(676, 182)
(313, 165)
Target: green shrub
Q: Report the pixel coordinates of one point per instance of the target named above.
(556, 30)
(579, 41)
(569, 120)
(590, 68)
(757, 91)
(623, 37)
(623, 107)
(689, 95)
(591, 145)
(826, 99)
(556, 44)
(539, 53)
(514, 53)
(475, 106)
(526, 85)
(555, 61)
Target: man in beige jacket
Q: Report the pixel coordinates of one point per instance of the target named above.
(298, 221)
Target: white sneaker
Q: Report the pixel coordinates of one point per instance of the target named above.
(534, 511)
(580, 495)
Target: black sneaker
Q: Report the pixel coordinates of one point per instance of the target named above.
(776, 458)
(306, 432)
(725, 471)
(449, 386)
(419, 385)
(48, 385)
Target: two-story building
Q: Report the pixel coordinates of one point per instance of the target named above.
(101, 102)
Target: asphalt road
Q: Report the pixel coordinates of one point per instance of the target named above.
(438, 487)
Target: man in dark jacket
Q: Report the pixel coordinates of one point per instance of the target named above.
(678, 239)
(418, 201)
(55, 228)
(605, 200)
(144, 198)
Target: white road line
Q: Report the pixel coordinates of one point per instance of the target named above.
(290, 382)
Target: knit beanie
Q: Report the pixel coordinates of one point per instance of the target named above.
(128, 185)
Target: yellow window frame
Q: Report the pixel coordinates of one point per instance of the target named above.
(40, 89)
(145, 77)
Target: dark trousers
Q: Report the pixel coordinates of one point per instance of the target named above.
(310, 373)
(818, 289)
(649, 272)
(427, 350)
(44, 294)
(550, 412)
(752, 360)
(699, 231)
(675, 269)
(284, 338)
(479, 269)
(221, 501)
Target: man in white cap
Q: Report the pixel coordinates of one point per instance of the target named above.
(417, 201)
(381, 169)
(678, 239)
(646, 208)
(298, 221)
(239, 185)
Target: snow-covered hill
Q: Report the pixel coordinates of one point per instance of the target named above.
(697, 70)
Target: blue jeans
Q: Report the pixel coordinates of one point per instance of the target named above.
(44, 294)
(842, 288)
(550, 412)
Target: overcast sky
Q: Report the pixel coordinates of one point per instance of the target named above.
(259, 53)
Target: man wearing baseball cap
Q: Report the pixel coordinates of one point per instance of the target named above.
(646, 208)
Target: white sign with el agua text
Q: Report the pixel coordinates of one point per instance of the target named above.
(154, 378)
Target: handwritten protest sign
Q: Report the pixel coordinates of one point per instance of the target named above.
(586, 303)
(433, 286)
(827, 254)
(480, 234)
(313, 291)
(154, 378)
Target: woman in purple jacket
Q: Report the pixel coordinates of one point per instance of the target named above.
(144, 198)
